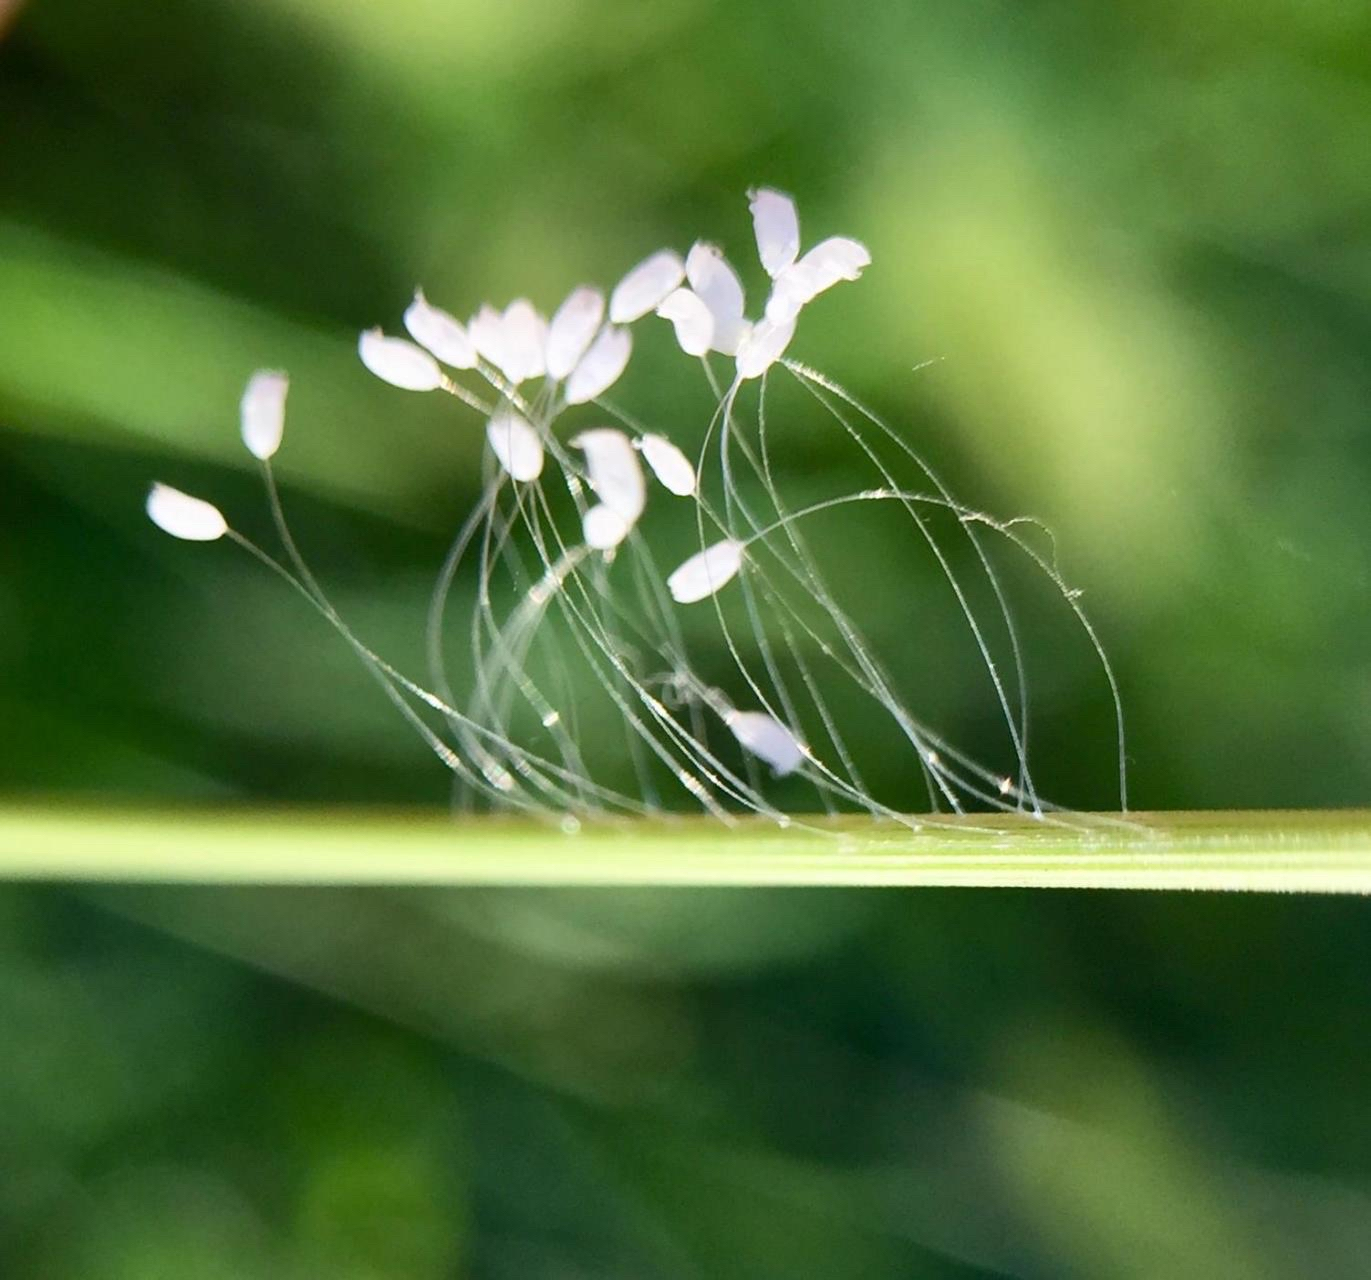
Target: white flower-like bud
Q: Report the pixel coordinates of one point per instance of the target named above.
(439, 333)
(721, 291)
(185, 517)
(694, 322)
(600, 367)
(514, 341)
(486, 329)
(573, 327)
(767, 739)
(643, 288)
(834, 259)
(764, 344)
(525, 341)
(705, 572)
(615, 474)
(777, 227)
(516, 445)
(788, 296)
(263, 412)
(604, 528)
(671, 467)
(398, 362)
(828, 262)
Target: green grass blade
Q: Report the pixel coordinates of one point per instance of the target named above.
(1315, 852)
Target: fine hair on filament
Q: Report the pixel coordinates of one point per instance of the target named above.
(665, 618)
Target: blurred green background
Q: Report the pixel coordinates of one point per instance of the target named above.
(1137, 236)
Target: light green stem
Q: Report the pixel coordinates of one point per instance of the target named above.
(1314, 852)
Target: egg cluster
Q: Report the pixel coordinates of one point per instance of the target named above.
(524, 374)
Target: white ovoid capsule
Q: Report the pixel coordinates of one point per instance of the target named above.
(671, 467)
(604, 528)
(600, 367)
(837, 258)
(767, 739)
(615, 474)
(788, 296)
(525, 341)
(263, 412)
(643, 288)
(439, 333)
(185, 517)
(486, 330)
(516, 445)
(574, 325)
(513, 340)
(764, 344)
(705, 572)
(693, 321)
(828, 262)
(398, 362)
(721, 291)
(777, 227)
